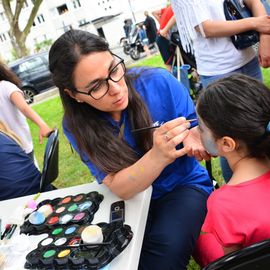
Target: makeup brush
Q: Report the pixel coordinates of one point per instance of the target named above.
(7, 229)
(156, 126)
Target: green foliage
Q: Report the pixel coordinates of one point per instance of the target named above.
(15, 54)
(154, 61)
(43, 45)
(266, 76)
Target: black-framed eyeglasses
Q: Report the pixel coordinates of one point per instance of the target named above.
(101, 88)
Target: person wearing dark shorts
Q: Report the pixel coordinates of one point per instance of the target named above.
(166, 48)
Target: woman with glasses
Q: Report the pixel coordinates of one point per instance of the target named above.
(106, 110)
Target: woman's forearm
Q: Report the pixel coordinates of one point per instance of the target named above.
(137, 177)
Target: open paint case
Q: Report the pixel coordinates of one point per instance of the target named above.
(64, 249)
(62, 212)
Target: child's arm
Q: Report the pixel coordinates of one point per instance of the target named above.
(18, 100)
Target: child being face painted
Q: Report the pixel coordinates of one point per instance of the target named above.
(234, 121)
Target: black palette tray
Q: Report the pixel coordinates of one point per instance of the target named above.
(70, 210)
(54, 253)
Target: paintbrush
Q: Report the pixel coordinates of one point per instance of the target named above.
(157, 126)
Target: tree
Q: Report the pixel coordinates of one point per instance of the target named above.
(17, 35)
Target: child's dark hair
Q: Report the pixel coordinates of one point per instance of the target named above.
(238, 106)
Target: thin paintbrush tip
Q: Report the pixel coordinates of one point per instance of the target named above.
(192, 120)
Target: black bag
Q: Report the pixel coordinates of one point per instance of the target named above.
(236, 10)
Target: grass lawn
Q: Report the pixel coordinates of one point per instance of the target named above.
(71, 169)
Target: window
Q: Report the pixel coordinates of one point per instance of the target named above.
(40, 18)
(3, 37)
(76, 4)
(82, 22)
(34, 65)
(2, 16)
(62, 9)
(25, 4)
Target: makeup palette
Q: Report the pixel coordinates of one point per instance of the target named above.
(59, 213)
(65, 249)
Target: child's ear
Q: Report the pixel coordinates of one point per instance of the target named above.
(227, 144)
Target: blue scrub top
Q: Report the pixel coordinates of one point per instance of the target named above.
(18, 174)
(166, 99)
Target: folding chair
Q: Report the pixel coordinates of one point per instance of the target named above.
(50, 163)
(256, 256)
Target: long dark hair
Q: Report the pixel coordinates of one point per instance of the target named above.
(93, 134)
(238, 106)
(7, 75)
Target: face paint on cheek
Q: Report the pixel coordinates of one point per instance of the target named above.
(207, 139)
(210, 146)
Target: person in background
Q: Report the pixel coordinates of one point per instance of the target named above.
(203, 28)
(150, 28)
(127, 27)
(166, 20)
(144, 39)
(104, 106)
(18, 174)
(15, 110)
(234, 122)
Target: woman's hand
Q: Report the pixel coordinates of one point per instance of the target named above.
(261, 24)
(196, 149)
(164, 32)
(167, 137)
(264, 50)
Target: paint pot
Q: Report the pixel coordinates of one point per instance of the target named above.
(53, 220)
(85, 205)
(36, 218)
(73, 207)
(33, 257)
(77, 257)
(47, 241)
(74, 241)
(46, 210)
(60, 241)
(65, 218)
(48, 256)
(70, 230)
(57, 231)
(78, 198)
(60, 209)
(66, 200)
(62, 257)
(105, 255)
(78, 217)
(92, 235)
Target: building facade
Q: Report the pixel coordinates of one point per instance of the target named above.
(102, 17)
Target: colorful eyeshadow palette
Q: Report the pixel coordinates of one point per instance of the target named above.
(64, 248)
(60, 213)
